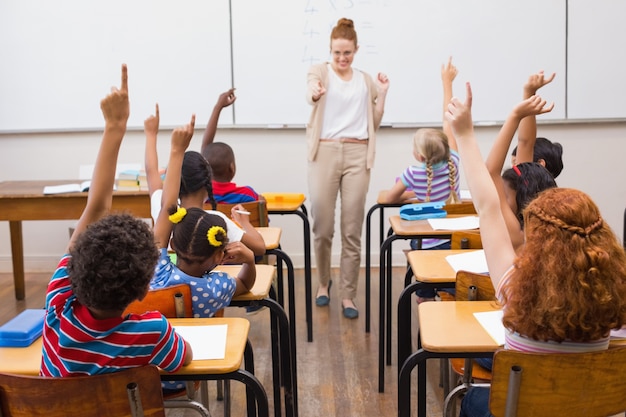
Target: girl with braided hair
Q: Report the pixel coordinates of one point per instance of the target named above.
(565, 288)
(436, 175)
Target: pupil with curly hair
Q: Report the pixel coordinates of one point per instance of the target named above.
(109, 263)
(565, 288)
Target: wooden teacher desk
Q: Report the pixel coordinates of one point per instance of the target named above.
(25, 200)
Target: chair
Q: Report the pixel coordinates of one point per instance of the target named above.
(131, 392)
(464, 207)
(257, 209)
(174, 302)
(574, 384)
(469, 286)
(466, 239)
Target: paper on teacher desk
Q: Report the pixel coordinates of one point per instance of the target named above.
(492, 323)
(207, 342)
(471, 261)
(454, 223)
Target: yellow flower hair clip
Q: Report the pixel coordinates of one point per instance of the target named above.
(180, 214)
(212, 233)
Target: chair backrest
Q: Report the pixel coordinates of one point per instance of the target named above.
(257, 209)
(572, 384)
(473, 240)
(464, 207)
(165, 300)
(484, 287)
(131, 392)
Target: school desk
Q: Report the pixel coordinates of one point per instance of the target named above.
(27, 360)
(283, 346)
(447, 330)
(293, 203)
(368, 248)
(431, 269)
(24, 200)
(406, 230)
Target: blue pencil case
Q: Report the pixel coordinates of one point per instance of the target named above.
(23, 329)
(421, 211)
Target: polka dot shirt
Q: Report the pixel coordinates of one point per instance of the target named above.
(209, 293)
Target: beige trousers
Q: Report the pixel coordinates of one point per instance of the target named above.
(339, 168)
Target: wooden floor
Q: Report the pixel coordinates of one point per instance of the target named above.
(337, 372)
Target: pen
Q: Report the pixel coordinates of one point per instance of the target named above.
(243, 212)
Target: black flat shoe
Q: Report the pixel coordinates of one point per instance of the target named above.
(324, 300)
(350, 312)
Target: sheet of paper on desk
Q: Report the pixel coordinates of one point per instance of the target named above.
(619, 334)
(492, 322)
(454, 223)
(67, 188)
(207, 342)
(471, 261)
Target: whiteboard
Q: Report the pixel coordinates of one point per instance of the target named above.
(491, 41)
(596, 59)
(60, 58)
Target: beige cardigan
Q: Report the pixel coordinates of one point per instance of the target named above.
(319, 72)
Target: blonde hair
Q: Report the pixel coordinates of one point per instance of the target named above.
(433, 145)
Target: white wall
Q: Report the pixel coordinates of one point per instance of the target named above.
(275, 161)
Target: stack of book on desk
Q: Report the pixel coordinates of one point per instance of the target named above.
(128, 180)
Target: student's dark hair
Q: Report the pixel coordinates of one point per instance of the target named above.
(550, 152)
(198, 235)
(220, 155)
(112, 262)
(527, 179)
(196, 174)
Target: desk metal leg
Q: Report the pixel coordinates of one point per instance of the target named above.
(302, 213)
(368, 262)
(386, 246)
(17, 254)
(290, 384)
(280, 255)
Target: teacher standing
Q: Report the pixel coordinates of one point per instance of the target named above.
(348, 106)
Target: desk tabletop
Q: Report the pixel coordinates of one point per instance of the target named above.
(432, 266)
(283, 201)
(236, 338)
(450, 326)
(264, 278)
(419, 227)
(271, 236)
(34, 188)
(27, 360)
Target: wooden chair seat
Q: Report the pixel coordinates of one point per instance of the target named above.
(96, 395)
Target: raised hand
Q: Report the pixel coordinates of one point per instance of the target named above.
(151, 124)
(532, 106)
(226, 99)
(448, 72)
(459, 114)
(181, 136)
(115, 106)
(535, 82)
